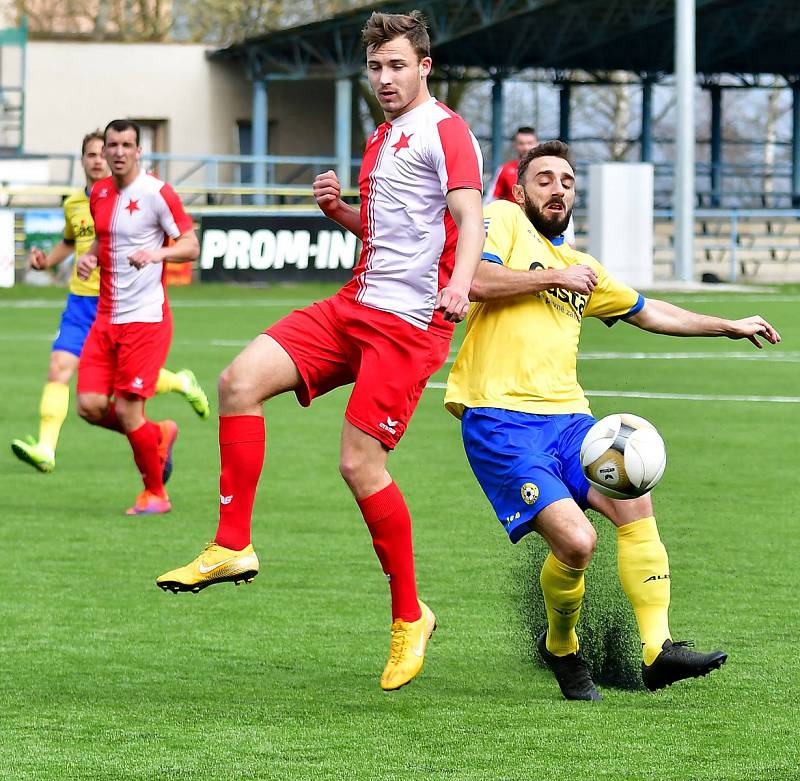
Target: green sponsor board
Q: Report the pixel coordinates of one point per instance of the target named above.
(44, 228)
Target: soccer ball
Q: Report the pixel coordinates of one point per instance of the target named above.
(623, 456)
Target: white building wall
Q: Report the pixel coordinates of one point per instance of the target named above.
(73, 87)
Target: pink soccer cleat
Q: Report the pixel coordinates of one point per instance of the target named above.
(148, 503)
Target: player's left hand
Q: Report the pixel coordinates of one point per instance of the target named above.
(143, 257)
(454, 303)
(751, 328)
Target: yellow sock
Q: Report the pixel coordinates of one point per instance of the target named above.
(168, 382)
(644, 573)
(563, 589)
(53, 410)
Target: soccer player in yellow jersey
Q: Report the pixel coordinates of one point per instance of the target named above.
(524, 415)
(77, 319)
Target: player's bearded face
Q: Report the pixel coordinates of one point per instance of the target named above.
(548, 195)
(551, 218)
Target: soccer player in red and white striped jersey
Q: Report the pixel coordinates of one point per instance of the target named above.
(134, 215)
(386, 331)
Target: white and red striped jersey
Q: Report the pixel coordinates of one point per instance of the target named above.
(140, 216)
(409, 237)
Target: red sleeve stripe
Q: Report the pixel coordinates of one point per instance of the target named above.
(182, 220)
(463, 169)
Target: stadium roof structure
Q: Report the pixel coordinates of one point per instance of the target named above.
(733, 36)
(741, 37)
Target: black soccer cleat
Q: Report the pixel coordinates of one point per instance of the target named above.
(571, 671)
(676, 662)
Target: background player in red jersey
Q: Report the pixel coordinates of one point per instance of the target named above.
(387, 330)
(77, 318)
(507, 175)
(133, 215)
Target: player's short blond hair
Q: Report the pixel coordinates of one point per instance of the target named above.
(382, 28)
(95, 134)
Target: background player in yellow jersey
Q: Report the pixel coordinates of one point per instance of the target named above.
(77, 319)
(523, 415)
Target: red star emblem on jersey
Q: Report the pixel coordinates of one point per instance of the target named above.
(133, 206)
(402, 142)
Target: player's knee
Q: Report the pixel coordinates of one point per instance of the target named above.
(61, 368)
(233, 386)
(361, 473)
(91, 410)
(351, 468)
(579, 545)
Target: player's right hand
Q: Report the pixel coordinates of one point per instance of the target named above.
(36, 259)
(86, 265)
(581, 278)
(327, 190)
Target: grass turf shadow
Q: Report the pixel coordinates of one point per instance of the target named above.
(607, 628)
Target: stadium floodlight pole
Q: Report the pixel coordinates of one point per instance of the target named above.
(684, 192)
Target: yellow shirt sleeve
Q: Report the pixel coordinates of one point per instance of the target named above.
(611, 299)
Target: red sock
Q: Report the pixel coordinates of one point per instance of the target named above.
(389, 523)
(110, 419)
(241, 454)
(144, 442)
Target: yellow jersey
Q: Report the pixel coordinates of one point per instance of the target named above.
(521, 353)
(79, 231)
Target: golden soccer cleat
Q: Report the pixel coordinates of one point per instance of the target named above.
(407, 649)
(214, 565)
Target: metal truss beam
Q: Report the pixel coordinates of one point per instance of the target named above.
(501, 36)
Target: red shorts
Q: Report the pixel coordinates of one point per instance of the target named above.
(337, 341)
(124, 359)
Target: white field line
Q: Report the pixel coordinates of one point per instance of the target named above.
(767, 355)
(729, 298)
(614, 394)
(200, 303)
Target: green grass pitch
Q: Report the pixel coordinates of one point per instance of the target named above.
(103, 676)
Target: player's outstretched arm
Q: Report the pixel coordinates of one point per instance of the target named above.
(494, 282)
(328, 194)
(661, 317)
(465, 207)
(60, 252)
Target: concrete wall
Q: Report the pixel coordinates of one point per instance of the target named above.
(73, 87)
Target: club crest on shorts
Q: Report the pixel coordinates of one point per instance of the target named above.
(529, 492)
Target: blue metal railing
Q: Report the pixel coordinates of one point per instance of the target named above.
(732, 219)
(741, 185)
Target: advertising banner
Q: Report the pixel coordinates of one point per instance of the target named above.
(6, 248)
(44, 228)
(281, 248)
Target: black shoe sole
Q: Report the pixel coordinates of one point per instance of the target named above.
(175, 587)
(700, 672)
